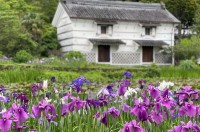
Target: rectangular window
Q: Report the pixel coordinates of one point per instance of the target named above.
(104, 29)
(148, 31)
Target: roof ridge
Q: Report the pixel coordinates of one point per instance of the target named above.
(122, 11)
(112, 3)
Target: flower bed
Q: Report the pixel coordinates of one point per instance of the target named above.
(115, 107)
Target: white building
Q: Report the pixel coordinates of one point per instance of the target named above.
(115, 32)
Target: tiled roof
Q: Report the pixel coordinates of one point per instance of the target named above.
(118, 10)
(106, 41)
(150, 42)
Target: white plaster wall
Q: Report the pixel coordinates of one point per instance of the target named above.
(64, 29)
(126, 31)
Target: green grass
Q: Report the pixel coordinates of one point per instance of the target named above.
(20, 75)
(178, 73)
(35, 74)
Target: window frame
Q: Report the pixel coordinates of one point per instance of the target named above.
(148, 31)
(108, 29)
(105, 27)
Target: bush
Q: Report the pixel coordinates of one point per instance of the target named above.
(187, 65)
(22, 57)
(1, 53)
(74, 56)
(187, 48)
(152, 73)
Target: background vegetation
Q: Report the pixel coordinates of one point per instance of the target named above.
(26, 25)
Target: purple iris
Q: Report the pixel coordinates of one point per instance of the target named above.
(187, 93)
(3, 99)
(78, 83)
(64, 109)
(128, 127)
(132, 126)
(2, 89)
(19, 113)
(140, 111)
(22, 97)
(92, 103)
(34, 88)
(189, 127)
(5, 122)
(127, 74)
(198, 109)
(104, 118)
(76, 103)
(36, 111)
(154, 92)
(166, 102)
(165, 93)
(137, 127)
(110, 89)
(102, 101)
(157, 117)
(190, 109)
(122, 89)
(53, 79)
(48, 110)
(142, 83)
(114, 112)
(97, 115)
(126, 108)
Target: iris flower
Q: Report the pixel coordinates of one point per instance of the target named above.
(114, 112)
(127, 75)
(132, 126)
(190, 109)
(157, 117)
(187, 93)
(19, 114)
(126, 108)
(122, 89)
(3, 98)
(5, 122)
(140, 111)
(104, 118)
(186, 127)
(53, 79)
(154, 92)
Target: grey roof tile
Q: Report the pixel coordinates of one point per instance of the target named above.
(106, 41)
(150, 42)
(116, 10)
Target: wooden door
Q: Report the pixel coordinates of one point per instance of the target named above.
(147, 52)
(104, 53)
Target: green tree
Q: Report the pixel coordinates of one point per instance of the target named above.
(50, 44)
(24, 25)
(187, 48)
(33, 24)
(47, 8)
(196, 26)
(9, 25)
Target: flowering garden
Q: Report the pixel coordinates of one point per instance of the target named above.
(115, 107)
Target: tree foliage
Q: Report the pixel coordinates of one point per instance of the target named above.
(24, 25)
(187, 48)
(196, 26)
